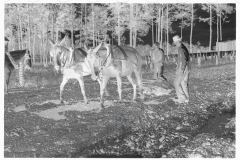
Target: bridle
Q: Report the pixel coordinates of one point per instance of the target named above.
(61, 55)
(63, 62)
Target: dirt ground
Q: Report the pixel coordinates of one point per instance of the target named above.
(36, 125)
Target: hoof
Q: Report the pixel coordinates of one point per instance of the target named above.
(107, 94)
(61, 102)
(86, 102)
(102, 106)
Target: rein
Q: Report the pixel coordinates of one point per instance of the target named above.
(16, 66)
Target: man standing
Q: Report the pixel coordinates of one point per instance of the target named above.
(157, 60)
(182, 71)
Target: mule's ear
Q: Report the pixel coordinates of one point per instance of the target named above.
(97, 48)
(51, 42)
(85, 47)
(63, 40)
(70, 49)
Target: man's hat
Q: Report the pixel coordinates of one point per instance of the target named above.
(176, 38)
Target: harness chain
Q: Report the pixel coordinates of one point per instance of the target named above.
(12, 61)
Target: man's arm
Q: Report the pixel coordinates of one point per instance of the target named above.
(184, 60)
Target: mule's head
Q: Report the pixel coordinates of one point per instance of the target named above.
(55, 53)
(27, 60)
(92, 59)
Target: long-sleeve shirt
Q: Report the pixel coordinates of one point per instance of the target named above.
(183, 61)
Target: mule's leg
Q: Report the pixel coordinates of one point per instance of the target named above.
(131, 80)
(7, 78)
(6, 85)
(81, 83)
(138, 74)
(158, 70)
(155, 71)
(64, 81)
(106, 90)
(119, 83)
(102, 89)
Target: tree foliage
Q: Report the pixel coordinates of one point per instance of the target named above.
(32, 24)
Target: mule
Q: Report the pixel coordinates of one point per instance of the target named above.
(12, 60)
(72, 64)
(115, 61)
(157, 62)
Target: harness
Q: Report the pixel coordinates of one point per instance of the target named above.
(70, 63)
(102, 64)
(105, 61)
(122, 50)
(16, 66)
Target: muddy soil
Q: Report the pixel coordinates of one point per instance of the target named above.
(36, 125)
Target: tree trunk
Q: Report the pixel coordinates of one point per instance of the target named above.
(131, 19)
(119, 36)
(29, 31)
(161, 29)
(217, 37)
(33, 48)
(210, 40)
(21, 70)
(42, 44)
(167, 32)
(57, 35)
(220, 25)
(152, 32)
(20, 27)
(93, 26)
(191, 31)
(41, 50)
(217, 25)
(81, 26)
(72, 32)
(112, 37)
(181, 27)
(98, 41)
(85, 22)
(19, 38)
(135, 28)
(53, 25)
(46, 46)
(156, 39)
(159, 24)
